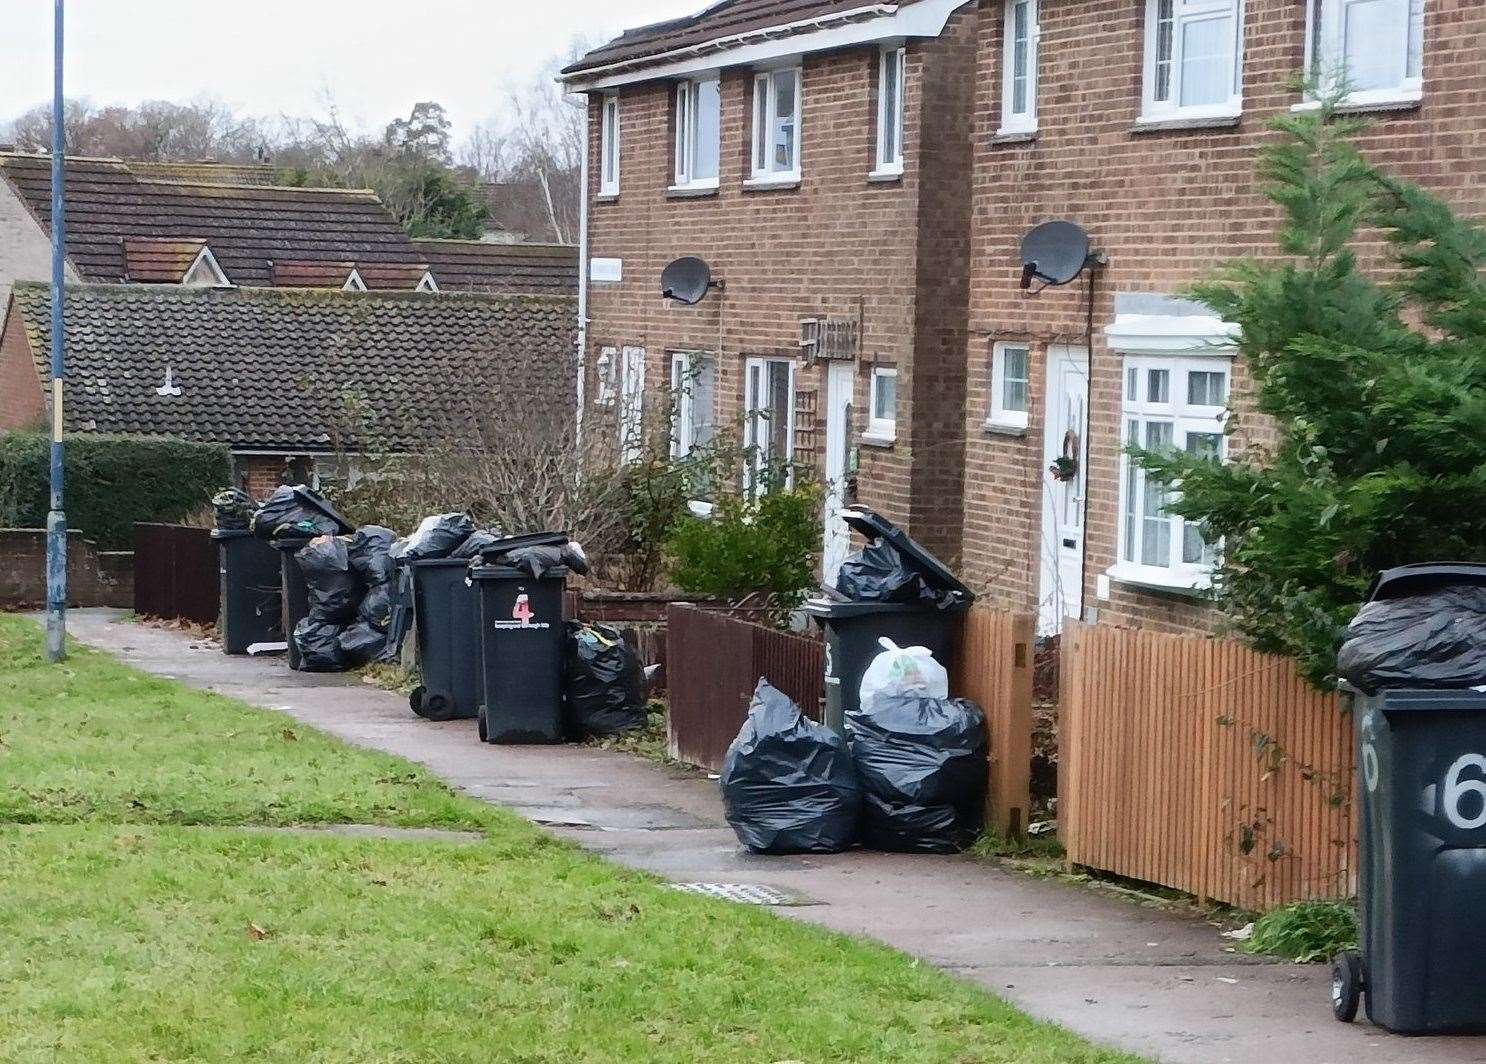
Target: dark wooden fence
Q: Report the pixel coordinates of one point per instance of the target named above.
(175, 573)
(714, 661)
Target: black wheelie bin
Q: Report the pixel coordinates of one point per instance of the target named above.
(294, 593)
(1412, 669)
(251, 609)
(446, 613)
(923, 607)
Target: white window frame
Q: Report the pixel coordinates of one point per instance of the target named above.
(688, 129)
(1136, 412)
(756, 440)
(1185, 12)
(1323, 46)
(685, 365)
(631, 389)
(1025, 121)
(882, 430)
(1002, 417)
(890, 164)
(765, 104)
(606, 370)
(609, 145)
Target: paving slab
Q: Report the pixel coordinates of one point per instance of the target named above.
(1155, 982)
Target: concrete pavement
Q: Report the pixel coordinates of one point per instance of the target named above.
(1153, 982)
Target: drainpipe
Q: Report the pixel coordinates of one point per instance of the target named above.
(583, 270)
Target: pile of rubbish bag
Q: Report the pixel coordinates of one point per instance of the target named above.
(604, 683)
(893, 568)
(294, 511)
(1423, 626)
(350, 584)
(909, 776)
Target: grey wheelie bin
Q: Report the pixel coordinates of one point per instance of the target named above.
(446, 612)
(1421, 757)
(853, 628)
(522, 637)
(251, 609)
(294, 592)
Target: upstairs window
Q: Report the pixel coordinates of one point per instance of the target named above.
(609, 146)
(1193, 67)
(1168, 403)
(1373, 47)
(776, 125)
(698, 132)
(890, 112)
(1019, 67)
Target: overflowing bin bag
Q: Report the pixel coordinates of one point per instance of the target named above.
(334, 589)
(294, 509)
(922, 764)
(439, 536)
(233, 510)
(1435, 639)
(877, 573)
(476, 545)
(370, 551)
(902, 672)
(319, 645)
(360, 643)
(603, 681)
(788, 784)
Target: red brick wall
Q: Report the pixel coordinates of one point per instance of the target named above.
(1166, 207)
(835, 245)
(22, 402)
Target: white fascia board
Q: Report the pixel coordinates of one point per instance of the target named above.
(1169, 333)
(869, 24)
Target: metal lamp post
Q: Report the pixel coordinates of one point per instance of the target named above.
(56, 518)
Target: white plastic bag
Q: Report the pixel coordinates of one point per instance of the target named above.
(902, 672)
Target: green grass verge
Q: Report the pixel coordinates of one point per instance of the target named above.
(133, 937)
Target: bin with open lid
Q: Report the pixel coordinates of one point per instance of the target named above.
(853, 629)
(1413, 671)
(251, 599)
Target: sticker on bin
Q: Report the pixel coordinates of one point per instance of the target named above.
(521, 616)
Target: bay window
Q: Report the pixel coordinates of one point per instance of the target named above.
(1193, 59)
(1019, 67)
(776, 126)
(1375, 48)
(769, 419)
(698, 132)
(890, 112)
(1169, 403)
(609, 146)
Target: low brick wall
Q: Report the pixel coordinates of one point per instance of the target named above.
(94, 577)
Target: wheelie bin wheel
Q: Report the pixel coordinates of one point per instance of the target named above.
(480, 720)
(1346, 985)
(438, 706)
(415, 700)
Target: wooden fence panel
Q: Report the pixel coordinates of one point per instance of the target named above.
(176, 573)
(1201, 765)
(993, 668)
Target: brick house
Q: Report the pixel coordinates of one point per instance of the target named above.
(1141, 120)
(269, 372)
(817, 155)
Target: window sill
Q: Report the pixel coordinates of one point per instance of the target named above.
(606, 197)
(770, 184)
(886, 175)
(691, 191)
(1153, 578)
(1000, 427)
(1013, 135)
(1360, 102)
(1160, 123)
(878, 439)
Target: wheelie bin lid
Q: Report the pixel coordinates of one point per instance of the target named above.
(230, 533)
(529, 539)
(824, 609)
(1406, 580)
(510, 572)
(874, 526)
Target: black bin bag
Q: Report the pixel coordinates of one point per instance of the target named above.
(319, 646)
(1430, 640)
(293, 510)
(877, 573)
(438, 537)
(334, 590)
(788, 784)
(922, 763)
(604, 682)
(370, 552)
(233, 509)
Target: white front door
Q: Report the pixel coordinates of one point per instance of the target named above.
(1064, 478)
(840, 380)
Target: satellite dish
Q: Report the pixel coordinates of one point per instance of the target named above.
(1054, 253)
(686, 280)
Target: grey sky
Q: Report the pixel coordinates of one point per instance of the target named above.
(269, 57)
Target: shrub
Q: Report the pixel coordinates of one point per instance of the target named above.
(111, 482)
(1306, 932)
(751, 546)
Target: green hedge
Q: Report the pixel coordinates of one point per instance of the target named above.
(111, 482)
